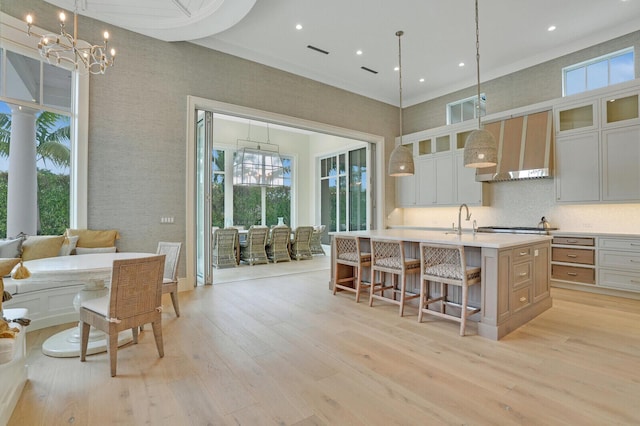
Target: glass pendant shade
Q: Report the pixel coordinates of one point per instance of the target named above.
(256, 167)
(401, 162)
(480, 149)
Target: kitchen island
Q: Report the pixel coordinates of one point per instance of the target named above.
(515, 272)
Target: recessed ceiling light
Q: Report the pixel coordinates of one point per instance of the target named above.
(421, 80)
(358, 52)
(298, 27)
(461, 64)
(551, 28)
(396, 68)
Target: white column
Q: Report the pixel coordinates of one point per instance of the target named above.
(22, 191)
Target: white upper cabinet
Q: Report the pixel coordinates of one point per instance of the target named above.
(598, 148)
(621, 164)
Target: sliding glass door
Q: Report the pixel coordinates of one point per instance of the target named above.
(343, 192)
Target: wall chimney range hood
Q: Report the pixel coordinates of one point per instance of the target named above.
(524, 148)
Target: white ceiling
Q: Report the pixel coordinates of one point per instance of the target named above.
(438, 35)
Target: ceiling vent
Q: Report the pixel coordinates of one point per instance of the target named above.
(317, 49)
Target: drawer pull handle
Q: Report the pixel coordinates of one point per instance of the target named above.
(634, 244)
(572, 274)
(572, 241)
(573, 256)
(523, 299)
(635, 281)
(523, 274)
(524, 253)
(633, 261)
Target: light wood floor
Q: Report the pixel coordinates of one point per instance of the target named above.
(284, 351)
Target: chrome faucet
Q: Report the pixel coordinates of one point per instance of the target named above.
(460, 217)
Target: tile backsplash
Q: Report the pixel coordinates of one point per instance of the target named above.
(523, 203)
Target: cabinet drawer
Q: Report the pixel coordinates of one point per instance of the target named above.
(619, 259)
(619, 244)
(522, 274)
(573, 241)
(521, 298)
(623, 280)
(522, 254)
(573, 255)
(573, 273)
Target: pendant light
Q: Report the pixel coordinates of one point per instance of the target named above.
(401, 159)
(480, 148)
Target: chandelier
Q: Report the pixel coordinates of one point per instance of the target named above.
(258, 166)
(67, 49)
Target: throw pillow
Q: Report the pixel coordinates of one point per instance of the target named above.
(68, 245)
(6, 265)
(10, 247)
(41, 246)
(91, 250)
(90, 238)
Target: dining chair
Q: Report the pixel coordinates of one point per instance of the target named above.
(134, 299)
(225, 244)
(278, 246)
(316, 240)
(253, 249)
(301, 243)
(170, 276)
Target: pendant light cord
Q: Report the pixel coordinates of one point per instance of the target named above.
(399, 34)
(478, 66)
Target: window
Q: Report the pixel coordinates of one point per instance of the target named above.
(263, 205)
(45, 91)
(465, 109)
(603, 71)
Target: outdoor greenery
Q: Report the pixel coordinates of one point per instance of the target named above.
(52, 149)
(53, 200)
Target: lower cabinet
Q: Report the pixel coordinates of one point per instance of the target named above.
(619, 263)
(526, 270)
(596, 263)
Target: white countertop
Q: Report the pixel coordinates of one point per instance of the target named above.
(468, 239)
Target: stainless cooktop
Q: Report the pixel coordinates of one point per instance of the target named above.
(516, 229)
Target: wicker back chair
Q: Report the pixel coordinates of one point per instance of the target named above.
(134, 299)
(316, 243)
(301, 243)
(225, 243)
(446, 265)
(170, 276)
(388, 257)
(253, 250)
(278, 247)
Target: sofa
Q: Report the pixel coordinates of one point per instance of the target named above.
(50, 302)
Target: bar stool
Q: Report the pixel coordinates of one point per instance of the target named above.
(446, 265)
(347, 252)
(388, 257)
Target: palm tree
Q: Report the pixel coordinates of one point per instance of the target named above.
(53, 133)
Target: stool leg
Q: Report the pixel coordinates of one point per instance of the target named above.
(422, 299)
(358, 283)
(403, 283)
(374, 275)
(463, 314)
